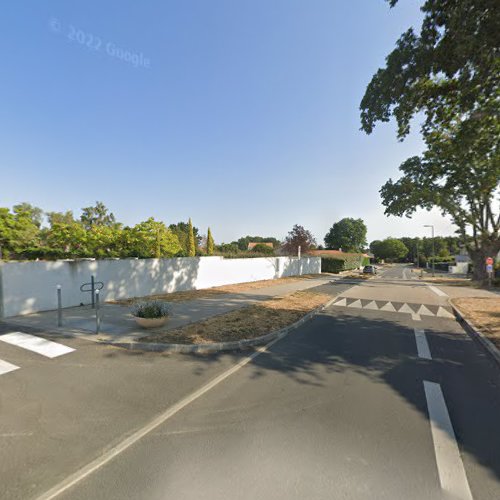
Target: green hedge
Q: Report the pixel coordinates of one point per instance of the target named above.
(338, 264)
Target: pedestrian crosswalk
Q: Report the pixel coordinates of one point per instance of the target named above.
(38, 345)
(393, 306)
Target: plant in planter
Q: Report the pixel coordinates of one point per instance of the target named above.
(150, 313)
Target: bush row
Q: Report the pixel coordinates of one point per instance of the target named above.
(338, 264)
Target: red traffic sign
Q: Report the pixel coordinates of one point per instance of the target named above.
(489, 261)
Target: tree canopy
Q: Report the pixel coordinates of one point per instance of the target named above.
(298, 237)
(98, 215)
(389, 249)
(449, 74)
(348, 234)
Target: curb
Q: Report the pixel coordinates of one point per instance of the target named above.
(475, 333)
(219, 346)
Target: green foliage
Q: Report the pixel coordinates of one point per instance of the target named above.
(69, 239)
(263, 249)
(298, 237)
(348, 234)
(210, 243)
(341, 263)
(191, 245)
(150, 309)
(389, 249)
(449, 73)
(242, 243)
(34, 214)
(97, 216)
(181, 229)
(246, 255)
(19, 229)
(151, 239)
(228, 248)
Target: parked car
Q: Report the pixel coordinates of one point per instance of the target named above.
(370, 270)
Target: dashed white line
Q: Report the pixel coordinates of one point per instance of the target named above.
(6, 367)
(36, 344)
(449, 462)
(422, 345)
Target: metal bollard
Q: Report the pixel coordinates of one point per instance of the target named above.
(59, 306)
(92, 290)
(97, 313)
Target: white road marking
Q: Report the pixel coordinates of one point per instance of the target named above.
(449, 462)
(139, 434)
(388, 307)
(437, 291)
(36, 344)
(424, 311)
(371, 305)
(356, 303)
(341, 302)
(7, 367)
(405, 308)
(416, 317)
(422, 345)
(443, 313)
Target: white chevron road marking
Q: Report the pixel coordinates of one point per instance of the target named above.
(6, 367)
(388, 307)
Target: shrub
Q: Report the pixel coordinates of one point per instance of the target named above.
(151, 309)
(263, 249)
(341, 263)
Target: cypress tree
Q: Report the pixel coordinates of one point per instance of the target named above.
(210, 243)
(191, 245)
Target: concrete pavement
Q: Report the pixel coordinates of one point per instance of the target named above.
(357, 403)
(117, 324)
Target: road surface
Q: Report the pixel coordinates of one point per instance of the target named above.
(382, 396)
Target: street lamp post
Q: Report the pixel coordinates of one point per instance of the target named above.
(433, 252)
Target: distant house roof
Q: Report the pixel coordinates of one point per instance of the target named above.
(254, 243)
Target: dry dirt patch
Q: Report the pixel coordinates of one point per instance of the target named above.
(484, 313)
(215, 291)
(248, 322)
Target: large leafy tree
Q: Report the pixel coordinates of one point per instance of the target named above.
(150, 239)
(348, 234)
(389, 249)
(448, 73)
(298, 237)
(19, 229)
(99, 215)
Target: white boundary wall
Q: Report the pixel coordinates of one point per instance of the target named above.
(28, 287)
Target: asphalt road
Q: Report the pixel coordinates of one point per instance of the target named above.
(378, 398)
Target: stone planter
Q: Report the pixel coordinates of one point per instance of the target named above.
(151, 322)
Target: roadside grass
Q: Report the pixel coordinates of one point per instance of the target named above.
(484, 313)
(446, 279)
(215, 291)
(246, 323)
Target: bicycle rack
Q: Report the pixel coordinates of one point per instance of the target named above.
(92, 287)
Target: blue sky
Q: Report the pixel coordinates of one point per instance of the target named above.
(241, 114)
